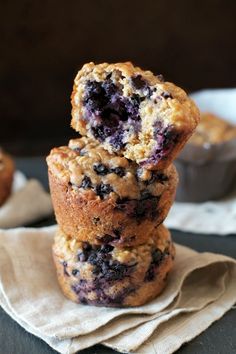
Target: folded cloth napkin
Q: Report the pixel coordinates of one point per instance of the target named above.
(28, 203)
(205, 217)
(201, 288)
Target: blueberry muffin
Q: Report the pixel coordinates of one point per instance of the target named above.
(207, 164)
(212, 130)
(100, 197)
(6, 176)
(103, 275)
(132, 112)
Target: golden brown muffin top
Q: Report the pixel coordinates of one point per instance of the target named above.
(162, 105)
(213, 130)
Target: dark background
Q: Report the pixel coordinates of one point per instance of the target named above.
(44, 43)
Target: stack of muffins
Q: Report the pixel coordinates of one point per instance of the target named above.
(112, 187)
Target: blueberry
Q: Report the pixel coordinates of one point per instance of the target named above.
(145, 194)
(157, 177)
(116, 140)
(138, 82)
(96, 220)
(157, 256)
(166, 95)
(95, 97)
(108, 76)
(117, 233)
(170, 137)
(82, 257)
(96, 270)
(161, 177)
(161, 77)
(92, 259)
(106, 248)
(86, 246)
(103, 189)
(100, 132)
(100, 169)
(150, 274)
(120, 171)
(109, 87)
(64, 263)
(136, 100)
(106, 238)
(86, 183)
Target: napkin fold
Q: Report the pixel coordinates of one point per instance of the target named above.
(205, 217)
(28, 203)
(200, 289)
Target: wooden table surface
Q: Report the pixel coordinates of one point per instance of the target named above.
(217, 339)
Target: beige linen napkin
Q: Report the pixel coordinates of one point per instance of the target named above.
(205, 217)
(28, 203)
(201, 288)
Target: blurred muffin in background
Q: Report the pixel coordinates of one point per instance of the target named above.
(207, 165)
(212, 130)
(6, 176)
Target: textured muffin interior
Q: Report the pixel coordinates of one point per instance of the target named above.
(129, 115)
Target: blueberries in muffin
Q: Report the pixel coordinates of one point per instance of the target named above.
(86, 247)
(107, 109)
(161, 77)
(106, 248)
(98, 286)
(120, 171)
(116, 271)
(138, 82)
(96, 220)
(166, 95)
(65, 265)
(103, 189)
(157, 258)
(100, 169)
(166, 137)
(75, 272)
(156, 177)
(95, 96)
(84, 254)
(106, 238)
(146, 207)
(117, 140)
(100, 133)
(110, 238)
(86, 183)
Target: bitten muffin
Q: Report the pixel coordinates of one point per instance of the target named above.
(100, 197)
(6, 176)
(132, 112)
(109, 276)
(207, 164)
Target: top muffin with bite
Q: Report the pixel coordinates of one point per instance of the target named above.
(133, 113)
